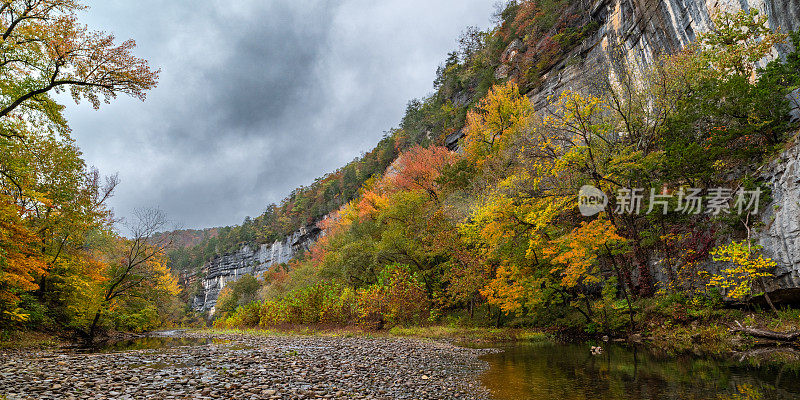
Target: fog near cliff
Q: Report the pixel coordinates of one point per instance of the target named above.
(257, 98)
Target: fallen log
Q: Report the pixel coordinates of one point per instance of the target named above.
(767, 352)
(766, 333)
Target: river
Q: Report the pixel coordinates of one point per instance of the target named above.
(571, 372)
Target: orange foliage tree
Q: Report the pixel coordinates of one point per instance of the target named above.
(20, 260)
(419, 168)
(575, 255)
(45, 48)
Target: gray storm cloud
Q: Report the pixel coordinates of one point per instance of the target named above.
(257, 98)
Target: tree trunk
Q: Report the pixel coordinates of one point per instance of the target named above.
(622, 286)
(92, 332)
(472, 307)
(766, 295)
(766, 333)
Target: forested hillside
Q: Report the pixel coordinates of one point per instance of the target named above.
(546, 30)
(494, 231)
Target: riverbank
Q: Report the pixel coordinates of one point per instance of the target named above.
(401, 363)
(711, 335)
(29, 340)
(674, 332)
(251, 366)
(445, 333)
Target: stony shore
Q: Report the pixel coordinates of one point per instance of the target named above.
(252, 367)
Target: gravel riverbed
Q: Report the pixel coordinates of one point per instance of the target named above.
(252, 367)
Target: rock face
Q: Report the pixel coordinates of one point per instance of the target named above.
(633, 33)
(250, 260)
(780, 236)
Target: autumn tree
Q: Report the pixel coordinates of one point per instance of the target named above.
(45, 49)
(494, 122)
(745, 268)
(419, 168)
(237, 293)
(57, 199)
(61, 202)
(134, 268)
(20, 261)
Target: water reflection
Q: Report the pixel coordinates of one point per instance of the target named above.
(571, 372)
(149, 342)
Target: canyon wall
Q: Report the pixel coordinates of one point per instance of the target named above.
(633, 33)
(780, 235)
(249, 260)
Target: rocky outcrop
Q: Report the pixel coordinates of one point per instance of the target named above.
(780, 235)
(633, 33)
(250, 260)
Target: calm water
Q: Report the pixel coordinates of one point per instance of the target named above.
(145, 343)
(570, 372)
(156, 340)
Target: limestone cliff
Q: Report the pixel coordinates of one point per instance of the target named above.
(249, 260)
(780, 236)
(633, 32)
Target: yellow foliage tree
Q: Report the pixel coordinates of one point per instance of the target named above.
(493, 123)
(746, 268)
(131, 269)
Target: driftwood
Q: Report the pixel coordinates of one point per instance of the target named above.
(766, 333)
(767, 352)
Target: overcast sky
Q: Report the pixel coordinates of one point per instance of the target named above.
(259, 97)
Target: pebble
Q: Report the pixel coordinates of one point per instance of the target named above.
(253, 368)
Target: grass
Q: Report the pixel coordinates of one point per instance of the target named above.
(435, 332)
(470, 334)
(674, 325)
(28, 340)
(711, 339)
(686, 326)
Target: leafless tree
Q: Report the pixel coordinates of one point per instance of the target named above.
(131, 270)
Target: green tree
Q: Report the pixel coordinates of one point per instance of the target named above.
(237, 293)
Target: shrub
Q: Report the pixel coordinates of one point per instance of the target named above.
(328, 303)
(144, 319)
(372, 307)
(246, 316)
(399, 298)
(237, 293)
(339, 309)
(273, 312)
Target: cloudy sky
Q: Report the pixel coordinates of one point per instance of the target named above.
(258, 97)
